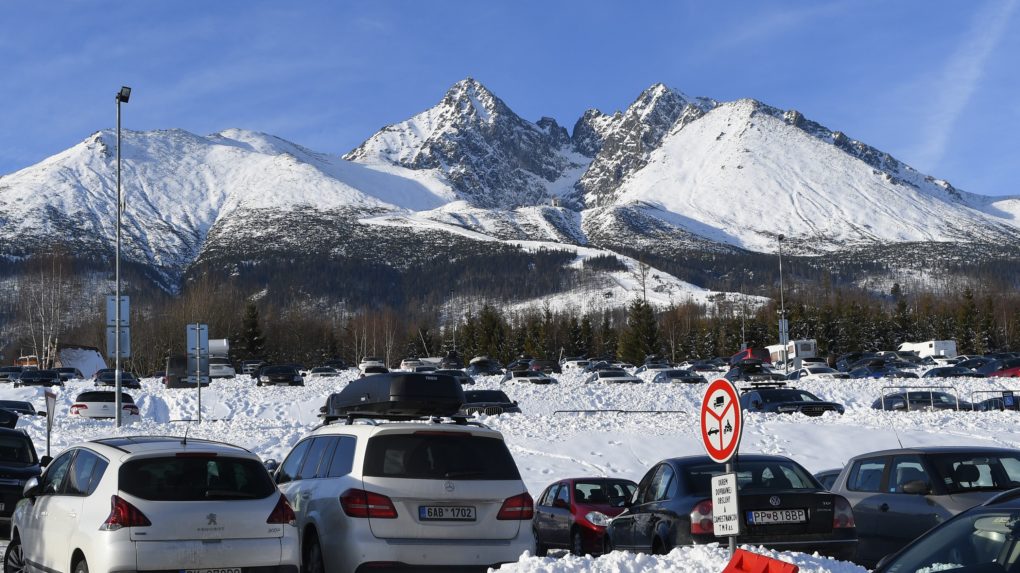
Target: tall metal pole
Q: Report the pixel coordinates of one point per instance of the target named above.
(783, 326)
(116, 312)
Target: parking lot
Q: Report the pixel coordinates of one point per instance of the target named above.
(566, 429)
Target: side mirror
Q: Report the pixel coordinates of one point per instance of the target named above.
(515, 403)
(38, 413)
(45, 461)
(271, 465)
(916, 487)
(31, 488)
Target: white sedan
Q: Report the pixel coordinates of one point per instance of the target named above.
(322, 372)
(613, 376)
(817, 374)
(102, 404)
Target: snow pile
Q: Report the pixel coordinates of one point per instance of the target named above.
(697, 559)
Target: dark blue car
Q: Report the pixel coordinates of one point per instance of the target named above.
(783, 400)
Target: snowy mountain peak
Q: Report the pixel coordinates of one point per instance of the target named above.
(490, 156)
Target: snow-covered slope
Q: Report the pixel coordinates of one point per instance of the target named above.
(743, 173)
(178, 185)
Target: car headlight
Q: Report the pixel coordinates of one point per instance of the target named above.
(597, 518)
(787, 409)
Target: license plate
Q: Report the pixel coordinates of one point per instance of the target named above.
(221, 570)
(2, 507)
(771, 516)
(446, 513)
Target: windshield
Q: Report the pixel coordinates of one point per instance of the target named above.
(279, 370)
(485, 396)
(17, 449)
(972, 471)
(611, 374)
(767, 475)
(984, 540)
(788, 396)
(17, 405)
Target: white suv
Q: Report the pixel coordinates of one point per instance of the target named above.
(154, 503)
(406, 494)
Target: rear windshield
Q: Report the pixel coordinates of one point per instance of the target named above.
(103, 397)
(776, 396)
(17, 449)
(439, 455)
(612, 374)
(16, 405)
(604, 492)
(764, 475)
(39, 375)
(196, 479)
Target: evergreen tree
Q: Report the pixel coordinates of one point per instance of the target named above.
(586, 337)
(252, 341)
(640, 338)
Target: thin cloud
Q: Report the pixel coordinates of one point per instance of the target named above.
(960, 78)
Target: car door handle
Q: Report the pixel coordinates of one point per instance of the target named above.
(884, 507)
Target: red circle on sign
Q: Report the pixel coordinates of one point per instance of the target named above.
(721, 420)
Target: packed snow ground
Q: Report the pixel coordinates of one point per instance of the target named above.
(550, 445)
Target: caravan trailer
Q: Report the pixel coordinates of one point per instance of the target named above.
(931, 348)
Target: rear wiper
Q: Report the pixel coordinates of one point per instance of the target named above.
(463, 474)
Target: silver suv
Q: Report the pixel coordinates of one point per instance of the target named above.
(154, 503)
(406, 494)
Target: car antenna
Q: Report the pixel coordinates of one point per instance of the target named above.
(897, 434)
(184, 440)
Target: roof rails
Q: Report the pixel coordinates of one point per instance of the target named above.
(374, 419)
(763, 385)
(118, 442)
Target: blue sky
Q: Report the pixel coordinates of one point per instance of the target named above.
(936, 83)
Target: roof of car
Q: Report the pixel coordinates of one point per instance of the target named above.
(157, 444)
(373, 428)
(13, 432)
(685, 460)
(935, 450)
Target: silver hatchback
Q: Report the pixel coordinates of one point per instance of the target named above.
(153, 503)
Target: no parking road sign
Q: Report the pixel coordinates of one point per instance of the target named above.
(721, 420)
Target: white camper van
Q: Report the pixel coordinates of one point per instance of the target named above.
(944, 348)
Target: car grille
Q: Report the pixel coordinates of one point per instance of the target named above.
(493, 411)
(814, 410)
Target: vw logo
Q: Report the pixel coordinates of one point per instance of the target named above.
(449, 487)
(775, 501)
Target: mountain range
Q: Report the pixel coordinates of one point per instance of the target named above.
(672, 178)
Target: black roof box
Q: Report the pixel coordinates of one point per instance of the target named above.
(396, 396)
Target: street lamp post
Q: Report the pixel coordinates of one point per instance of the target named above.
(122, 97)
(784, 330)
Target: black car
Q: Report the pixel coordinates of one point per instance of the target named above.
(781, 506)
(985, 538)
(752, 370)
(784, 400)
(520, 364)
(845, 362)
(69, 373)
(488, 402)
(547, 366)
(288, 375)
(678, 375)
(10, 373)
(109, 379)
(21, 407)
(920, 400)
(39, 378)
(460, 375)
(952, 372)
(8, 418)
(482, 366)
(18, 463)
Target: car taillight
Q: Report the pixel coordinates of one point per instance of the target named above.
(75, 408)
(517, 507)
(283, 513)
(843, 517)
(361, 503)
(131, 408)
(701, 518)
(123, 514)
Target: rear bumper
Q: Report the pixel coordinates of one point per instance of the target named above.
(362, 551)
(842, 548)
(117, 553)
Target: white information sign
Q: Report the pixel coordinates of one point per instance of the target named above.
(725, 510)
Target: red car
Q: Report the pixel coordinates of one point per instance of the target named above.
(1009, 368)
(573, 513)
